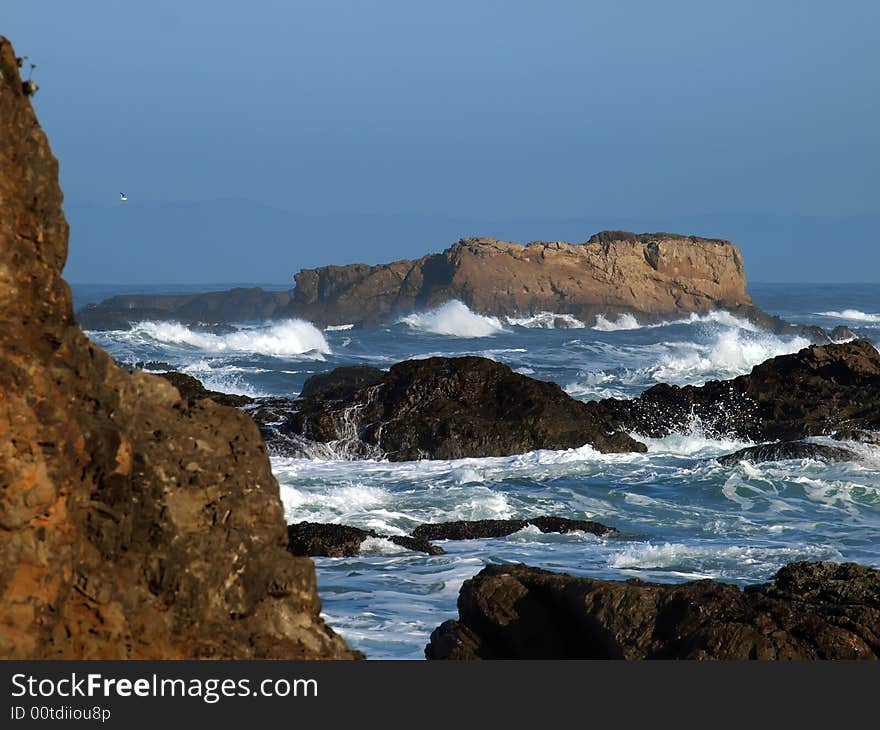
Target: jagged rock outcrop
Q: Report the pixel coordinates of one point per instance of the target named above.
(436, 408)
(809, 611)
(813, 392)
(133, 523)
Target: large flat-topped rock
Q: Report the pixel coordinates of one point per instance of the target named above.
(614, 272)
(649, 275)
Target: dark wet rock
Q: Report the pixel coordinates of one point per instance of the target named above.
(477, 529)
(813, 392)
(788, 450)
(330, 541)
(134, 524)
(207, 311)
(342, 541)
(859, 436)
(341, 383)
(153, 365)
(417, 544)
(450, 408)
(808, 611)
(191, 388)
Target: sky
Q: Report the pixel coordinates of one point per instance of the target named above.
(255, 138)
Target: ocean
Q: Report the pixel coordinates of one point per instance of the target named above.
(680, 514)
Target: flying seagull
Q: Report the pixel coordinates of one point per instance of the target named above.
(123, 197)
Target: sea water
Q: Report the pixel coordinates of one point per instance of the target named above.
(681, 515)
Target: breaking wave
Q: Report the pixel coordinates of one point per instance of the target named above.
(623, 322)
(455, 319)
(853, 315)
(281, 339)
(729, 355)
(548, 321)
(629, 322)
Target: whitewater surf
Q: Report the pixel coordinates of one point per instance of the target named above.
(680, 514)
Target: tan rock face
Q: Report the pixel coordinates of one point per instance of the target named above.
(614, 272)
(133, 523)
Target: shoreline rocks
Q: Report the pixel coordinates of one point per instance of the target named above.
(808, 611)
(813, 392)
(317, 539)
(442, 408)
(479, 529)
(134, 524)
(788, 450)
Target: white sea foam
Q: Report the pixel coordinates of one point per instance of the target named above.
(710, 561)
(456, 319)
(338, 327)
(853, 315)
(331, 504)
(730, 354)
(623, 322)
(629, 322)
(382, 546)
(280, 339)
(224, 378)
(547, 320)
(692, 442)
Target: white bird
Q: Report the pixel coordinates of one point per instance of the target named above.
(123, 197)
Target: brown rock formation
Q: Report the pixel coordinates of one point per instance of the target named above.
(436, 408)
(651, 275)
(809, 611)
(615, 271)
(133, 524)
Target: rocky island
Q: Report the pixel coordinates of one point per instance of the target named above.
(649, 276)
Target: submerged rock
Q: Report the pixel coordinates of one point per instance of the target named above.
(476, 529)
(813, 392)
(441, 408)
(809, 611)
(788, 450)
(341, 541)
(134, 524)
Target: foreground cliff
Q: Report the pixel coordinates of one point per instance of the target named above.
(133, 524)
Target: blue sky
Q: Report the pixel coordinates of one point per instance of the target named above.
(756, 121)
